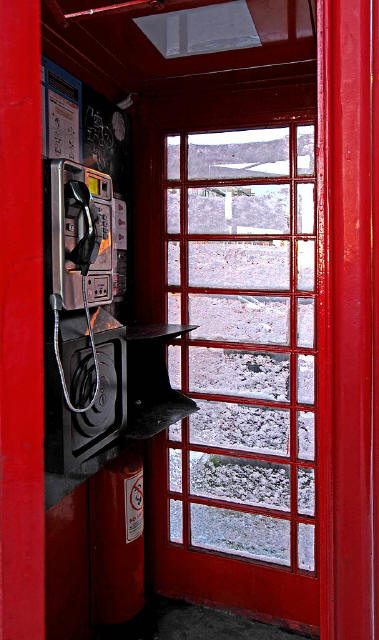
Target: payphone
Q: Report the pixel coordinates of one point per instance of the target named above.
(81, 234)
(81, 249)
(85, 353)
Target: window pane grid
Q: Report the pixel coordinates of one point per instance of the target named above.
(293, 350)
(243, 508)
(244, 453)
(230, 182)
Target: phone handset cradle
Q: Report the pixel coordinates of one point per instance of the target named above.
(86, 251)
(83, 255)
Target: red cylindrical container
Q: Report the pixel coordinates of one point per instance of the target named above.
(117, 541)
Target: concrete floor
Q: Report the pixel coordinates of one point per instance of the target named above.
(176, 620)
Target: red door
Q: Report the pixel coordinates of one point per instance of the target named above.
(235, 486)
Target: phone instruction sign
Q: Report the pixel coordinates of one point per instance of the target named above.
(63, 102)
(133, 489)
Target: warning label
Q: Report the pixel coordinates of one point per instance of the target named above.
(133, 488)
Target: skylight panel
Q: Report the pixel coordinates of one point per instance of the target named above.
(201, 30)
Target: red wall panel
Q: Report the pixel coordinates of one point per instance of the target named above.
(67, 567)
(345, 191)
(21, 338)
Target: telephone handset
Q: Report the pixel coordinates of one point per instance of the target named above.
(81, 249)
(86, 251)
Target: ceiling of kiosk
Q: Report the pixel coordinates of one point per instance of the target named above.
(127, 47)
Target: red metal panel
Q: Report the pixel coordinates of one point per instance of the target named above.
(21, 363)
(227, 582)
(67, 567)
(344, 36)
(117, 566)
(375, 209)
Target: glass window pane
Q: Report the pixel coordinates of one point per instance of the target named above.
(239, 154)
(173, 210)
(175, 469)
(173, 157)
(306, 435)
(173, 263)
(241, 426)
(305, 379)
(306, 491)
(243, 534)
(260, 209)
(175, 432)
(249, 374)
(303, 22)
(306, 546)
(174, 308)
(176, 521)
(305, 139)
(305, 208)
(306, 265)
(305, 322)
(240, 265)
(253, 482)
(254, 319)
(174, 360)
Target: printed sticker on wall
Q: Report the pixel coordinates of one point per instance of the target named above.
(133, 491)
(63, 113)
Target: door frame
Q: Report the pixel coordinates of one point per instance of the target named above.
(21, 330)
(292, 591)
(345, 191)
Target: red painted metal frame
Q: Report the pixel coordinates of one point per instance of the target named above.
(112, 8)
(21, 332)
(344, 29)
(375, 309)
(68, 567)
(188, 342)
(219, 565)
(168, 563)
(344, 191)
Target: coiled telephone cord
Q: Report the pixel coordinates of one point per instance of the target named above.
(55, 306)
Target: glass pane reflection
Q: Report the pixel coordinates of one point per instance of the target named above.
(306, 265)
(254, 319)
(173, 263)
(306, 546)
(305, 322)
(243, 534)
(252, 264)
(176, 521)
(175, 469)
(259, 209)
(305, 143)
(241, 426)
(254, 482)
(173, 157)
(305, 208)
(248, 374)
(173, 210)
(239, 154)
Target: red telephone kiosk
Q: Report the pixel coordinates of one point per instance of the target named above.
(106, 388)
(277, 409)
